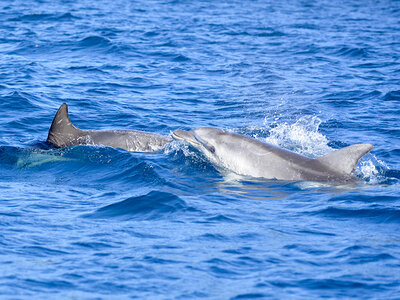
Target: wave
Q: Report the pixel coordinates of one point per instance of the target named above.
(254, 32)
(251, 296)
(40, 251)
(65, 47)
(328, 284)
(81, 166)
(94, 41)
(152, 206)
(353, 52)
(142, 172)
(392, 96)
(31, 157)
(360, 254)
(45, 17)
(378, 215)
(18, 101)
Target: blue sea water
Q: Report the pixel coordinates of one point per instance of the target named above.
(93, 222)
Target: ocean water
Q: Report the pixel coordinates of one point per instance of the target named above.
(93, 222)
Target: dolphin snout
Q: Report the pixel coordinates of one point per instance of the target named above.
(185, 136)
(179, 134)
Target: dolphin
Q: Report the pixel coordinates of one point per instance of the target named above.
(63, 133)
(247, 156)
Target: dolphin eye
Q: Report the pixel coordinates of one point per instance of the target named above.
(205, 145)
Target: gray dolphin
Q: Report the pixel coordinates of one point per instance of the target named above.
(63, 133)
(247, 156)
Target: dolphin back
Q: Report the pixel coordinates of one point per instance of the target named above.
(345, 160)
(62, 132)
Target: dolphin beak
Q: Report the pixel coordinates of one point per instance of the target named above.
(183, 135)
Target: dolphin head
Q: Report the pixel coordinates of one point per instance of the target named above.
(204, 139)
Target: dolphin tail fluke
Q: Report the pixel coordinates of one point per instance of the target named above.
(345, 160)
(61, 130)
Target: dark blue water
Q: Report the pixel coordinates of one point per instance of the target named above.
(91, 222)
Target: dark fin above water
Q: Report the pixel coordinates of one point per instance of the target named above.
(62, 132)
(345, 160)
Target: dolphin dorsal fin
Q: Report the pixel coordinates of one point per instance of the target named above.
(345, 160)
(61, 130)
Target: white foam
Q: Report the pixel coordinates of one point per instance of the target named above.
(368, 170)
(301, 137)
(176, 146)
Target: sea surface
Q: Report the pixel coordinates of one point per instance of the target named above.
(93, 222)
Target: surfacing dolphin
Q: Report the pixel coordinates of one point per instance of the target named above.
(63, 133)
(247, 156)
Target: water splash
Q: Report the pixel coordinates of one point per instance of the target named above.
(180, 147)
(372, 170)
(175, 146)
(301, 137)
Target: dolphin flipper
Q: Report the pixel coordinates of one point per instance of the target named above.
(345, 160)
(62, 130)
